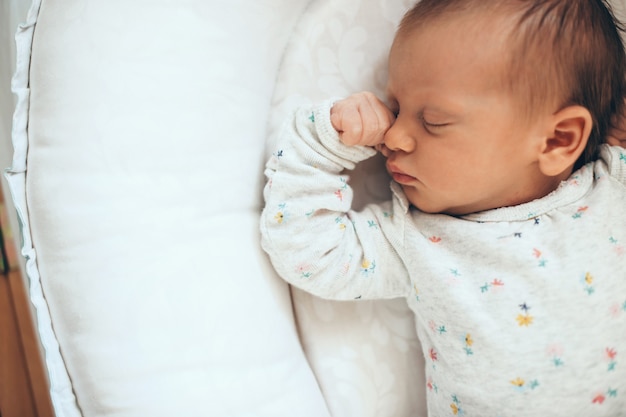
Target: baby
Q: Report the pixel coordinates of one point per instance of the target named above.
(506, 233)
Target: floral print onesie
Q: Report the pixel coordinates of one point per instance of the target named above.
(521, 311)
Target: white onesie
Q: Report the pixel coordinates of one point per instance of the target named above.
(521, 311)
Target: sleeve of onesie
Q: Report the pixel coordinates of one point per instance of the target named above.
(314, 240)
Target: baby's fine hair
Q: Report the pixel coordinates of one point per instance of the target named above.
(568, 50)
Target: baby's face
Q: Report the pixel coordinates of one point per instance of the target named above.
(458, 144)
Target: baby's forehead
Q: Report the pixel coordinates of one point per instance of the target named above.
(477, 36)
(480, 44)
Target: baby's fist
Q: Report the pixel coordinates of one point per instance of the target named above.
(361, 119)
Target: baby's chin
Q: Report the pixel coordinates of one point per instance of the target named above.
(430, 207)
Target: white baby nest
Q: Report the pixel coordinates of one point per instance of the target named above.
(139, 138)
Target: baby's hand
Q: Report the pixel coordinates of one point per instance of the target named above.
(361, 119)
(617, 133)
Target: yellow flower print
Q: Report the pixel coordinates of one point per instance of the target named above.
(588, 283)
(468, 340)
(518, 382)
(455, 405)
(279, 217)
(367, 266)
(524, 320)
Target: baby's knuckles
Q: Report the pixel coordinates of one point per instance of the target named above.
(361, 119)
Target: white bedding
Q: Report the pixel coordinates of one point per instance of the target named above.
(365, 354)
(139, 136)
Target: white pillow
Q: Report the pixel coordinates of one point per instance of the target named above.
(143, 135)
(365, 354)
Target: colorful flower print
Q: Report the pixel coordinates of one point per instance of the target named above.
(521, 384)
(368, 267)
(587, 282)
(524, 319)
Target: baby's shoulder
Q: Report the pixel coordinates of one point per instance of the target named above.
(613, 159)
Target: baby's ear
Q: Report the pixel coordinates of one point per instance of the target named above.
(567, 135)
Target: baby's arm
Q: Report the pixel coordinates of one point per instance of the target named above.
(314, 239)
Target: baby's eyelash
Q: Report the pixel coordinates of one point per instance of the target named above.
(432, 125)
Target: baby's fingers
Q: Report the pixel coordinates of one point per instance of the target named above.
(361, 119)
(347, 121)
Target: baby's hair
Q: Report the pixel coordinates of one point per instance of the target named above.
(564, 51)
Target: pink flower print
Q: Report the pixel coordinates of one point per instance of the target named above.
(494, 284)
(620, 250)
(555, 353)
(339, 195)
(432, 325)
(601, 397)
(579, 213)
(304, 270)
(598, 399)
(610, 354)
(574, 180)
(615, 311)
(432, 353)
(432, 386)
(539, 256)
(435, 239)
(454, 277)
